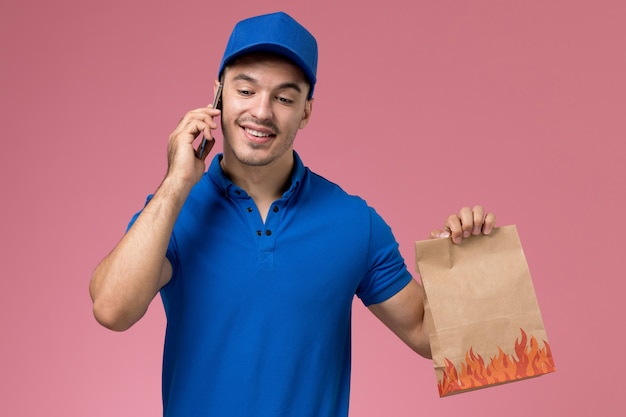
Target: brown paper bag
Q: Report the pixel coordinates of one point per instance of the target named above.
(481, 311)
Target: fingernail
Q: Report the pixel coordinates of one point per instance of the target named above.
(456, 240)
(466, 233)
(444, 234)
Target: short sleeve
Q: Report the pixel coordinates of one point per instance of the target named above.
(387, 273)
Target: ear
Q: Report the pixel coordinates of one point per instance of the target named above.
(216, 83)
(308, 108)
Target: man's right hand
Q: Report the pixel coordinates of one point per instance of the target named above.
(183, 165)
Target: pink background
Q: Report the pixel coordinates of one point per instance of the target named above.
(421, 108)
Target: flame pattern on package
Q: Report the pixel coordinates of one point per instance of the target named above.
(529, 360)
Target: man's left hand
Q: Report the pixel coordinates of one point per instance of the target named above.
(468, 222)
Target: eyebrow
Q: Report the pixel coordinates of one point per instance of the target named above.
(283, 86)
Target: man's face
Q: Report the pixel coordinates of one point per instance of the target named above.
(264, 103)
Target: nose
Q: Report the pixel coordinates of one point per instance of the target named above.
(262, 107)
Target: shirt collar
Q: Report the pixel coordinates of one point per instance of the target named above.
(224, 184)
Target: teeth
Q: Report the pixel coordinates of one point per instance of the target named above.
(257, 134)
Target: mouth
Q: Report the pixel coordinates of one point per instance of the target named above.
(257, 133)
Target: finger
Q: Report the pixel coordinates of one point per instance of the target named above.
(192, 125)
(213, 109)
(490, 223)
(453, 225)
(466, 217)
(437, 234)
(479, 214)
(205, 114)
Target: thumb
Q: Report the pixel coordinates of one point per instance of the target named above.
(437, 234)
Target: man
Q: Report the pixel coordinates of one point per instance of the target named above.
(258, 259)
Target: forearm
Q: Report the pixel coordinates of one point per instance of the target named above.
(126, 281)
(404, 315)
(420, 342)
(414, 330)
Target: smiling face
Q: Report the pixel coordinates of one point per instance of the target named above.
(264, 103)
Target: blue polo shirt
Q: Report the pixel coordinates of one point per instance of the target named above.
(258, 313)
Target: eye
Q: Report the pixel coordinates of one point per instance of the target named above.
(284, 100)
(244, 92)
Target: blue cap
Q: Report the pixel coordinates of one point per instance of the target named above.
(278, 33)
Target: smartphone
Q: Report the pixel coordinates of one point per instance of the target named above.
(206, 146)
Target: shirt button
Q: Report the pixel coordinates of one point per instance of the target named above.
(249, 209)
(268, 232)
(258, 232)
(275, 209)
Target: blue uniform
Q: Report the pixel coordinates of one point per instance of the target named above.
(258, 313)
